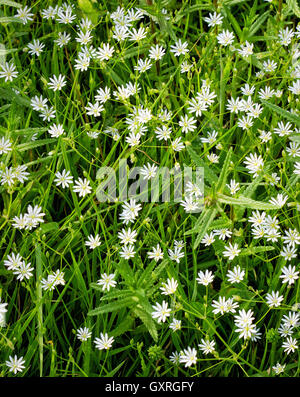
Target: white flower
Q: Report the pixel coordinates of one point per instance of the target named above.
(56, 130)
(205, 278)
(161, 311)
(176, 255)
(148, 171)
(273, 299)
(57, 83)
(5, 145)
(24, 14)
(156, 253)
(104, 342)
(179, 48)
(127, 236)
(290, 345)
(231, 251)
(107, 281)
(175, 325)
(254, 163)
(64, 178)
(105, 52)
(279, 368)
(225, 38)
(83, 334)
(214, 19)
(8, 71)
(207, 346)
(94, 109)
(93, 242)
(130, 211)
(156, 52)
(36, 47)
(236, 275)
(82, 187)
(127, 251)
(188, 356)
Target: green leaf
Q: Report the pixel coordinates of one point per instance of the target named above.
(111, 307)
(293, 118)
(247, 202)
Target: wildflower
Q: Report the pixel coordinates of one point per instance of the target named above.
(289, 274)
(127, 251)
(127, 236)
(225, 38)
(213, 19)
(57, 83)
(207, 346)
(5, 145)
(176, 254)
(222, 233)
(288, 253)
(8, 71)
(56, 130)
(15, 364)
(24, 14)
(188, 356)
(208, 239)
(246, 49)
(107, 281)
(273, 299)
(36, 47)
(175, 325)
(205, 278)
(148, 171)
(279, 368)
(290, 345)
(130, 211)
(24, 271)
(179, 48)
(254, 164)
(156, 52)
(105, 52)
(233, 186)
(175, 358)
